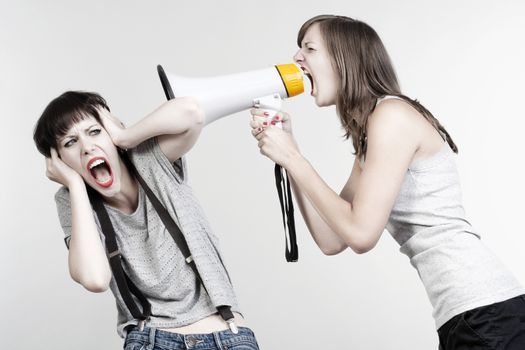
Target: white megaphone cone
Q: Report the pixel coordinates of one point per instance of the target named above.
(224, 95)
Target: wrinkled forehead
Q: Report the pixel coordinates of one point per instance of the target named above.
(76, 121)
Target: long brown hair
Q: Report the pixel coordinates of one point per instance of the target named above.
(366, 74)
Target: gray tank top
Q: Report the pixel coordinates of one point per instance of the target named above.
(150, 256)
(428, 221)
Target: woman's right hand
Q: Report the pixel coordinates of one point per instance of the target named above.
(60, 172)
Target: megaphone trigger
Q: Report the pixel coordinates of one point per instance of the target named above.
(270, 104)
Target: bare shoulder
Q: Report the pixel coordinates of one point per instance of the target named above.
(394, 117)
(396, 111)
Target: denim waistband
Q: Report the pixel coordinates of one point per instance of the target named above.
(154, 337)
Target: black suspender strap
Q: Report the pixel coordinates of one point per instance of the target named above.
(115, 257)
(282, 182)
(125, 286)
(169, 223)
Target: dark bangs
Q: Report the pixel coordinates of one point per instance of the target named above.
(62, 113)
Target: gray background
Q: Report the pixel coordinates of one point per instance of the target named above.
(463, 60)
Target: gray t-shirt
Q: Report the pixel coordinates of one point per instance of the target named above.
(150, 256)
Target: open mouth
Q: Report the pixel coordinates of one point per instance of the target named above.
(100, 170)
(309, 76)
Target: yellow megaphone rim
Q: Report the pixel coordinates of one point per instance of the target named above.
(292, 78)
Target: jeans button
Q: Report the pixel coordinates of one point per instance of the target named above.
(190, 342)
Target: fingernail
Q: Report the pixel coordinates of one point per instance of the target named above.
(266, 114)
(259, 129)
(276, 117)
(265, 123)
(274, 122)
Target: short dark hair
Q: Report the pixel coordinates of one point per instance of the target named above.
(61, 113)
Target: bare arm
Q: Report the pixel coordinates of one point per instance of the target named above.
(357, 216)
(87, 260)
(325, 238)
(88, 264)
(177, 123)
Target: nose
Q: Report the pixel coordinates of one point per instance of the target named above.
(87, 146)
(298, 57)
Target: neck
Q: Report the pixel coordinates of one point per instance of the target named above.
(126, 200)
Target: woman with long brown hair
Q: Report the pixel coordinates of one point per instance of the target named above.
(404, 178)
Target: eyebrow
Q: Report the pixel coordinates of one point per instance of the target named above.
(69, 135)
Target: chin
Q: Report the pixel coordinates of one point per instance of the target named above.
(108, 191)
(321, 103)
(111, 191)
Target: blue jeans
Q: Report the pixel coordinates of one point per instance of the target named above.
(154, 339)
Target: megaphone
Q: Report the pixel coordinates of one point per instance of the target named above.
(224, 95)
(221, 96)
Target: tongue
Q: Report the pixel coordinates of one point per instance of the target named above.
(101, 174)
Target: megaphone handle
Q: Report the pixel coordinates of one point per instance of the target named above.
(272, 105)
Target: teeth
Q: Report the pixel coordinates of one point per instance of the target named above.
(306, 73)
(95, 163)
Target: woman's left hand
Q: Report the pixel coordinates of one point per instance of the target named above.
(274, 143)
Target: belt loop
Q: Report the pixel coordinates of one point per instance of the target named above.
(217, 337)
(151, 344)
